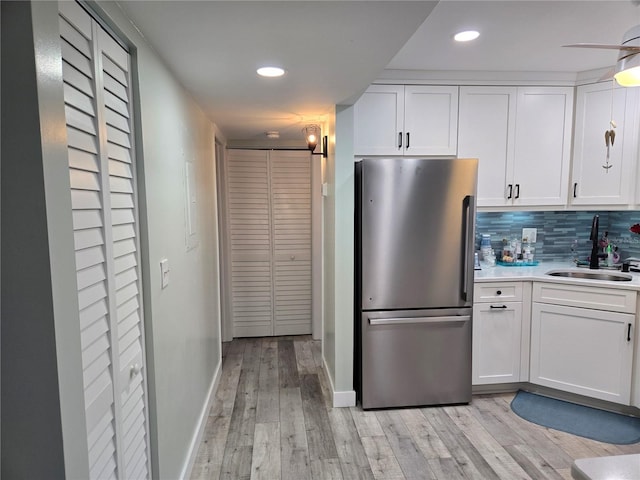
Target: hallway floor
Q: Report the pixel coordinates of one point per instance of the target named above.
(272, 418)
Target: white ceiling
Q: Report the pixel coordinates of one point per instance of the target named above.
(518, 35)
(332, 50)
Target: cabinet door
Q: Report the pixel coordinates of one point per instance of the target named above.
(583, 351)
(543, 144)
(486, 131)
(497, 330)
(378, 121)
(430, 120)
(596, 105)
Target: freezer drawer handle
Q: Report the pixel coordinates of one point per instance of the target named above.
(405, 320)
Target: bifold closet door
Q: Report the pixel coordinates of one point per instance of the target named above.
(101, 166)
(268, 203)
(291, 240)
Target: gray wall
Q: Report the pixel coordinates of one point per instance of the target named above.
(41, 362)
(338, 260)
(41, 370)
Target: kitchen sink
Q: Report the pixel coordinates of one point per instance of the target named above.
(591, 275)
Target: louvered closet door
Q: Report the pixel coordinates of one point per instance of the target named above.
(291, 227)
(269, 237)
(98, 111)
(249, 230)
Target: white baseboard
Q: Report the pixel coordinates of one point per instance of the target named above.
(202, 422)
(340, 399)
(344, 399)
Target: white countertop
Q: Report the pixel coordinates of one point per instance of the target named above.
(621, 467)
(537, 273)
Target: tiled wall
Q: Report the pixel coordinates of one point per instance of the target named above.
(559, 232)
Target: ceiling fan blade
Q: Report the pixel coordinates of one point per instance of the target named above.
(627, 48)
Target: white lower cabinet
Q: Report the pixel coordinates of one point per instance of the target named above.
(500, 333)
(582, 350)
(497, 329)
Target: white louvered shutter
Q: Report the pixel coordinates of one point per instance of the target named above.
(97, 106)
(269, 237)
(249, 224)
(291, 227)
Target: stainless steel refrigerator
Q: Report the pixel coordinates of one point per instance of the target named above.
(414, 281)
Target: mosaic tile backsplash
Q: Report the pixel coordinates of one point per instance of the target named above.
(561, 235)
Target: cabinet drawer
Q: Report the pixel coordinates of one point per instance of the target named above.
(497, 292)
(609, 299)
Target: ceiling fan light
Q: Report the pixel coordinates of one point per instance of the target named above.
(628, 71)
(629, 77)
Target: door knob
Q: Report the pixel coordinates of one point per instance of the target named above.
(134, 370)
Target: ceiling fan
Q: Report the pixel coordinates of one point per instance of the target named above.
(627, 69)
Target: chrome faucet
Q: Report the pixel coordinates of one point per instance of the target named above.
(593, 261)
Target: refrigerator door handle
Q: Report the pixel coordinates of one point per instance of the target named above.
(468, 206)
(416, 320)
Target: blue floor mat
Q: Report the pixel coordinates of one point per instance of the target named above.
(579, 420)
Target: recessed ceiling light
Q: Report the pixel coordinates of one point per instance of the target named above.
(466, 36)
(270, 72)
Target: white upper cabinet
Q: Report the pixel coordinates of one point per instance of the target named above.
(379, 121)
(406, 120)
(544, 117)
(521, 136)
(486, 131)
(596, 106)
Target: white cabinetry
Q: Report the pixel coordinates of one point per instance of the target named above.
(406, 120)
(521, 136)
(596, 105)
(588, 351)
(500, 333)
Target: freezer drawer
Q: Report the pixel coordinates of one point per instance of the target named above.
(415, 358)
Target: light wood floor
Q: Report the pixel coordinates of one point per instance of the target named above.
(272, 418)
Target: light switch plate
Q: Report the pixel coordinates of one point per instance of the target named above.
(164, 272)
(530, 234)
